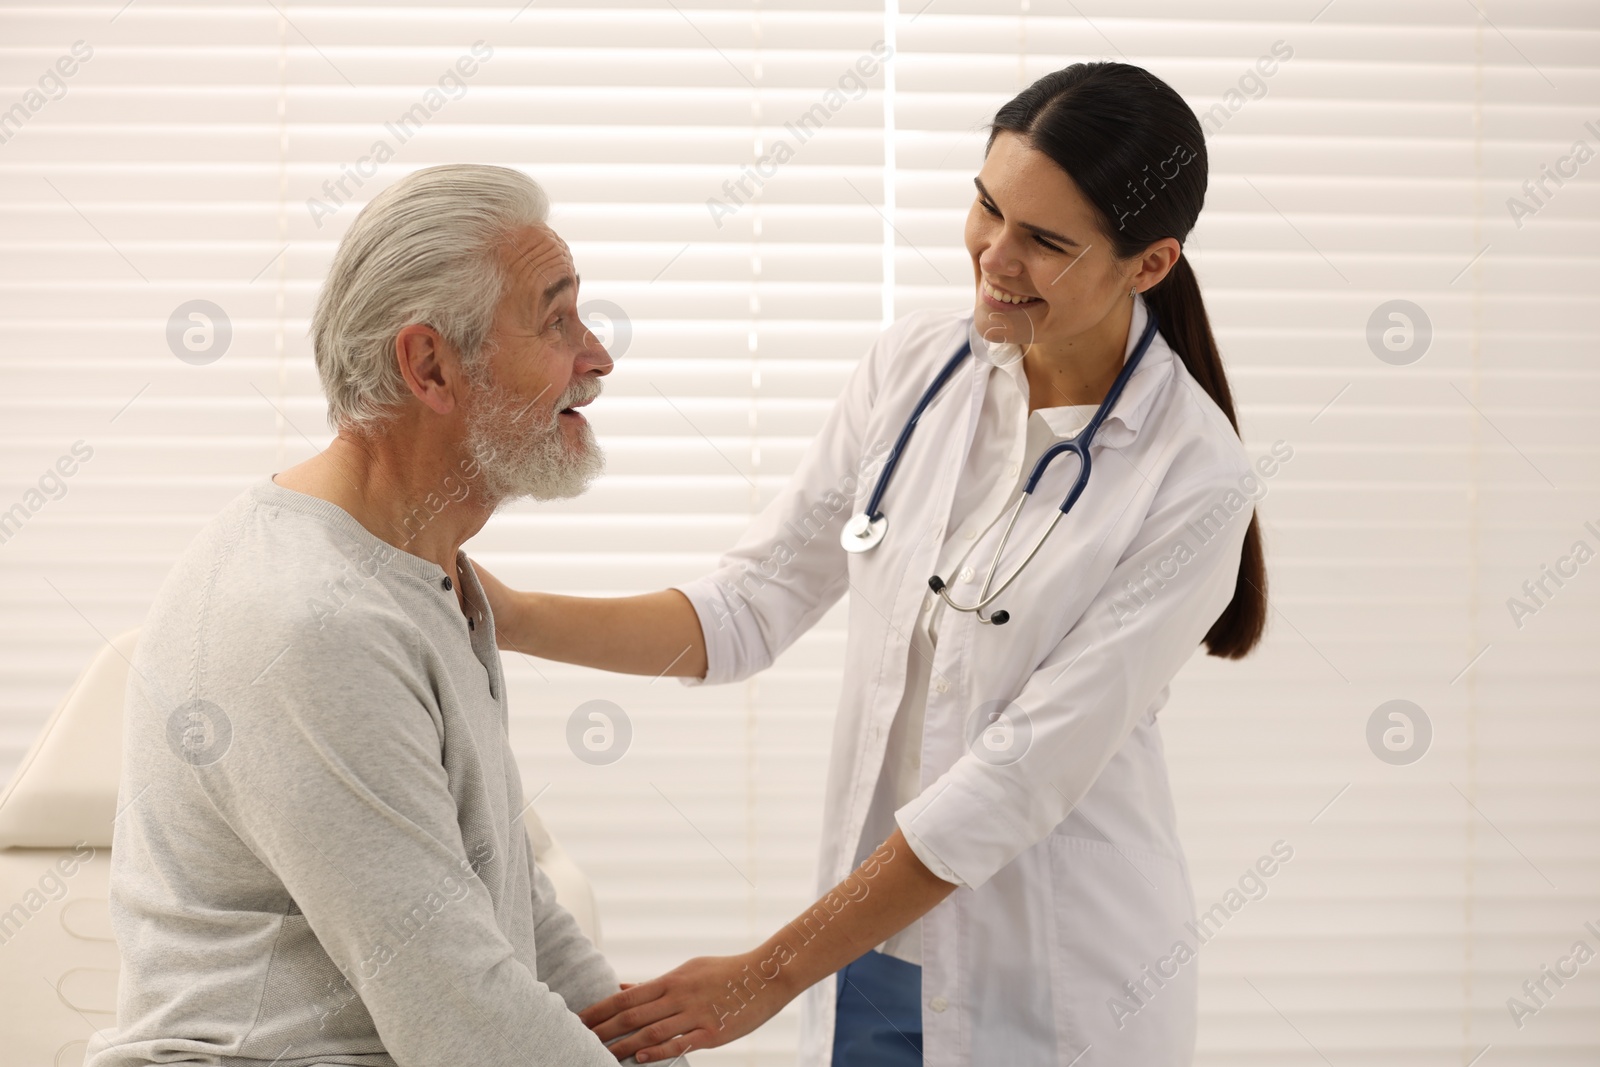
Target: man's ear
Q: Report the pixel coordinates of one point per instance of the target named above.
(429, 368)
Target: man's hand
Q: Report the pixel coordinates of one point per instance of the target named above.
(689, 1007)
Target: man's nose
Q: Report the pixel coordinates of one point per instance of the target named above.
(594, 359)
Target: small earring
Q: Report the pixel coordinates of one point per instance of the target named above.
(1133, 291)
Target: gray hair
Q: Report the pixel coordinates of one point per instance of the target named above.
(425, 250)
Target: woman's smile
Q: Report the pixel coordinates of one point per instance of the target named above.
(997, 297)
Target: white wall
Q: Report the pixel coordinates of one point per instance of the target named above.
(1374, 164)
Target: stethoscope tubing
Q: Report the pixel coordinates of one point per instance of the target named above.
(866, 529)
(1079, 445)
(875, 503)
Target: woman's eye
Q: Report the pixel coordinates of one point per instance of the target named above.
(990, 208)
(1047, 244)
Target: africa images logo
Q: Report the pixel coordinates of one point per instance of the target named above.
(199, 733)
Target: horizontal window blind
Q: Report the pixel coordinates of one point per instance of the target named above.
(751, 192)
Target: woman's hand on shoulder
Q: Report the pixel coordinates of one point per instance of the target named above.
(508, 607)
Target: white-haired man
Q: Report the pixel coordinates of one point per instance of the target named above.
(320, 857)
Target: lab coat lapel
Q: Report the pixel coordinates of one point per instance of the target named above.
(1123, 421)
(934, 457)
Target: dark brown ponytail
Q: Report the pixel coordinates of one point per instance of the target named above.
(1120, 133)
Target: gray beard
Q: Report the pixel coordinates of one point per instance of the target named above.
(521, 453)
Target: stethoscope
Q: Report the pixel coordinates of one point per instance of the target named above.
(864, 531)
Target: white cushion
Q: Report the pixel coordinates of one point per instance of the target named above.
(66, 789)
(58, 962)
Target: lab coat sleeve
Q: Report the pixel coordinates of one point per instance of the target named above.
(788, 568)
(1081, 703)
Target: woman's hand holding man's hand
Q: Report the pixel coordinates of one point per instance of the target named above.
(706, 1002)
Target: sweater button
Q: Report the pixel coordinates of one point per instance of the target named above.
(447, 584)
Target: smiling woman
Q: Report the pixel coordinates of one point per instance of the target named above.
(1064, 158)
(972, 762)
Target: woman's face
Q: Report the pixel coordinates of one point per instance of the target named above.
(1045, 272)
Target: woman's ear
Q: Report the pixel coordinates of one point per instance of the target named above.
(1155, 263)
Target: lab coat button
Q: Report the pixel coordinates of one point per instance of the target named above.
(1011, 471)
(938, 1004)
(966, 574)
(942, 686)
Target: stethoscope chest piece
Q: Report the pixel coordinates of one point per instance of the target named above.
(862, 534)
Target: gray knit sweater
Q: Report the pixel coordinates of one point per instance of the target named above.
(320, 857)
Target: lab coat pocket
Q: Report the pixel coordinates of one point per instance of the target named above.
(1124, 973)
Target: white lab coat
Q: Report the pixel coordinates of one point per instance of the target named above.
(1074, 882)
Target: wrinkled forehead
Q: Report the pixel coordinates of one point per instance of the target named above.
(537, 260)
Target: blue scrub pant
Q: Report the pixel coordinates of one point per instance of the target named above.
(879, 1018)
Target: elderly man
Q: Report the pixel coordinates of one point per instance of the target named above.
(320, 857)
